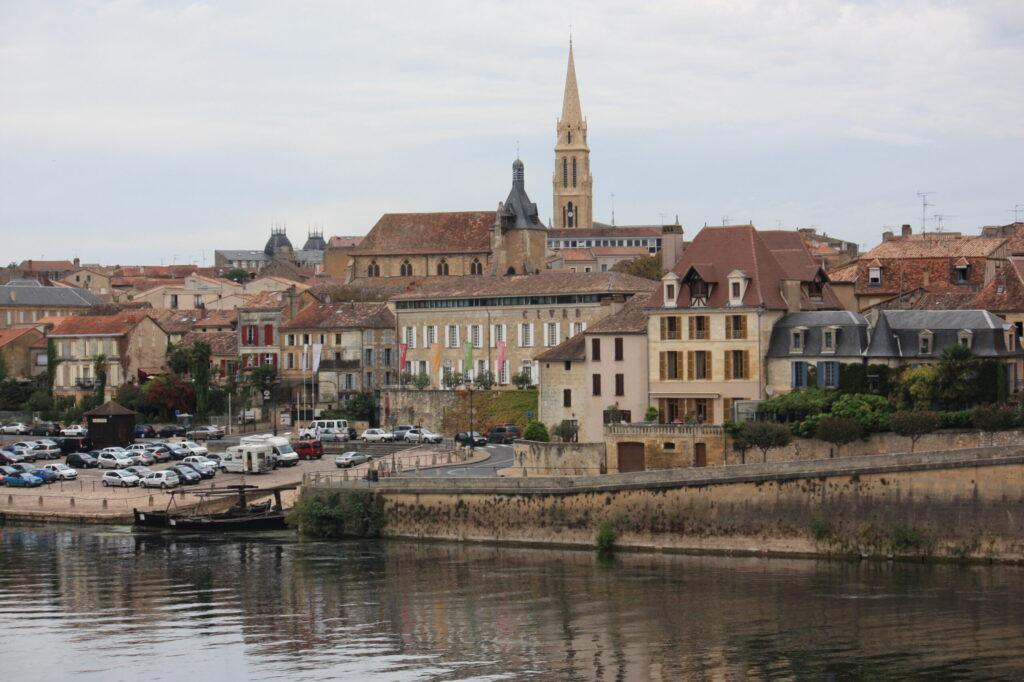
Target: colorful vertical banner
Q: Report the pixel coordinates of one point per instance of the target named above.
(318, 349)
(403, 351)
(501, 355)
(467, 357)
(435, 359)
(303, 364)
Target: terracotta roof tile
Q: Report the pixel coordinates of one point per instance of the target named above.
(620, 251)
(221, 343)
(935, 245)
(420, 233)
(13, 333)
(340, 242)
(265, 300)
(342, 316)
(108, 325)
(46, 265)
(572, 349)
(576, 255)
(632, 319)
(548, 282)
(218, 318)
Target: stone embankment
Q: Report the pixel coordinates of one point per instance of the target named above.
(965, 504)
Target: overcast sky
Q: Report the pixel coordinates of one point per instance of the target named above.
(148, 132)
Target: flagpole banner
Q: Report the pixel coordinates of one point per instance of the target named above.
(305, 352)
(318, 349)
(403, 351)
(501, 354)
(467, 357)
(435, 358)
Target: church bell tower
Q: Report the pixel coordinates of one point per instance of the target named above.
(572, 184)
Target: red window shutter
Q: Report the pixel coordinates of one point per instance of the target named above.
(274, 359)
(268, 335)
(255, 335)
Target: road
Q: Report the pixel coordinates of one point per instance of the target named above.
(502, 456)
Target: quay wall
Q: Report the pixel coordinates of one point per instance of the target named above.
(966, 504)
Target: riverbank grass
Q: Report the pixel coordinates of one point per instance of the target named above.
(336, 514)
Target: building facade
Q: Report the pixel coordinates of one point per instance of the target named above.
(25, 301)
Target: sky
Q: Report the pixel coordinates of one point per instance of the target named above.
(155, 132)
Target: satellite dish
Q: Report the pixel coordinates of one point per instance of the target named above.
(769, 390)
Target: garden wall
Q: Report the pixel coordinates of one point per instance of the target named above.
(557, 459)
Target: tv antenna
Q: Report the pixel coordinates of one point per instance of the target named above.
(725, 220)
(939, 217)
(613, 209)
(924, 210)
(1016, 211)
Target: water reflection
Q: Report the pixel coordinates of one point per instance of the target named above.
(109, 604)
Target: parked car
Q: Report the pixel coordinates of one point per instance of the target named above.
(205, 467)
(400, 431)
(215, 458)
(40, 472)
(16, 479)
(118, 478)
(186, 474)
(171, 431)
(69, 444)
(377, 436)
(141, 454)
(336, 424)
(351, 459)
(332, 435)
(76, 430)
(194, 447)
(505, 434)
(113, 460)
(309, 449)
(46, 449)
(203, 471)
(177, 450)
(62, 471)
(16, 429)
(205, 433)
(470, 438)
(9, 457)
(25, 448)
(139, 470)
(45, 429)
(144, 431)
(422, 436)
(160, 479)
(161, 452)
(82, 460)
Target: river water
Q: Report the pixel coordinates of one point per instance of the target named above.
(110, 604)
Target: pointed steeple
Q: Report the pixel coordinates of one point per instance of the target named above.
(571, 110)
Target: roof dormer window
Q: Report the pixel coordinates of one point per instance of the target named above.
(814, 289)
(829, 339)
(670, 289)
(798, 340)
(875, 277)
(965, 337)
(699, 290)
(924, 343)
(737, 287)
(961, 273)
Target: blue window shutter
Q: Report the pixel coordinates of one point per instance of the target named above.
(820, 367)
(792, 375)
(803, 374)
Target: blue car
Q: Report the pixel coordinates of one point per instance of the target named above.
(38, 472)
(20, 480)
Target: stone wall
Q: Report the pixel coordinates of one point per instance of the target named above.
(965, 505)
(426, 407)
(668, 445)
(558, 459)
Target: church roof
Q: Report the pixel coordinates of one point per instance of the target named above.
(397, 234)
(315, 242)
(518, 211)
(572, 112)
(278, 240)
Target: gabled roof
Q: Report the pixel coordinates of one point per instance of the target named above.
(341, 242)
(99, 325)
(218, 318)
(572, 349)
(343, 316)
(109, 409)
(13, 294)
(632, 319)
(176, 321)
(14, 333)
(936, 245)
(46, 265)
(265, 300)
(546, 282)
(429, 233)
(221, 343)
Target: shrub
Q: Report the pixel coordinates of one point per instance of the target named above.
(651, 415)
(565, 430)
(523, 379)
(535, 430)
(872, 411)
(956, 419)
(765, 436)
(913, 424)
(342, 514)
(995, 417)
(605, 538)
(820, 527)
(798, 405)
(838, 430)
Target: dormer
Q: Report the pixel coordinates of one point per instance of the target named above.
(875, 273)
(829, 339)
(962, 271)
(925, 342)
(816, 286)
(797, 339)
(670, 289)
(738, 282)
(1011, 338)
(965, 337)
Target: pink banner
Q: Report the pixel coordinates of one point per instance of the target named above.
(403, 350)
(501, 355)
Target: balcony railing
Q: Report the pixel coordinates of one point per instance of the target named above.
(655, 429)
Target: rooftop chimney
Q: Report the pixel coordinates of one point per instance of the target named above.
(76, 262)
(906, 231)
(887, 235)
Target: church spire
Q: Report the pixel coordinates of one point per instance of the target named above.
(571, 110)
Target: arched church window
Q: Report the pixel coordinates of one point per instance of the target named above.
(476, 267)
(574, 171)
(373, 270)
(406, 268)
(442, 267)
(571, 216)
(565, 172)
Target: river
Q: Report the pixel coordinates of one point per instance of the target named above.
(104, 603)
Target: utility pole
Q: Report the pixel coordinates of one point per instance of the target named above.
(924, 210)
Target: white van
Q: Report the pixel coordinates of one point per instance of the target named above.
(248, 459)
(281, 449)
(310, 430)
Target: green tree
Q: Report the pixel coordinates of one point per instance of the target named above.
(918, 387)
(51, 365)
(957, 377)
(838, 431)
(535, 430)
(484, 380)
(262, 378)
(420, 381)
(179, 361)
(3, 367)
(913, 424)
(237, 275)
(766, 436)
(566, 430)
(199, 369)
(994, 417)
(99, 368)
(522, 379)
(648, 267)
(872, 411)
(452, 380)
(739, 437)
(39, 401)
(360, 407)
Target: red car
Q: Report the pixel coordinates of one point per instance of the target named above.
(309, 449)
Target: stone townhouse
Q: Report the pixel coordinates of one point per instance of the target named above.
(134, 345)
(504, 320)
(259, 324)
(599, 376)
(27, 300)
(358, 350)
(807, 349)
(712, 318)
(52, 270)
(223, 351)
(90, 279)
(195, 292)
(20, 350)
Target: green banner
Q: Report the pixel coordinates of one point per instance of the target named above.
(467, 357)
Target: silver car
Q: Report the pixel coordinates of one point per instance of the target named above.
(121, 479)
(160, 479)
(63, 471)
(351, 459)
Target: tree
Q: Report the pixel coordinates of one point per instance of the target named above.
(237, 275)
(51, 364)
(262, 378)
(168, 394)
(913, 424)
(39, 401)
(765, 436)
(739, 436)
(485, 380)
(452, 380)
(994, 417)
(651, 415)
(179, 361)
(566, 430)
(199, 369)
(522, 379)
(360, 407)
(872, 411)
(957, 376)
(99, 368)
(838, 431)
(648, 267)
(420, 381)
(918, 387)
(3, 368)
(535, 430)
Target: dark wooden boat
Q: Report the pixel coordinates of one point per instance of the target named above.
(242, 516)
